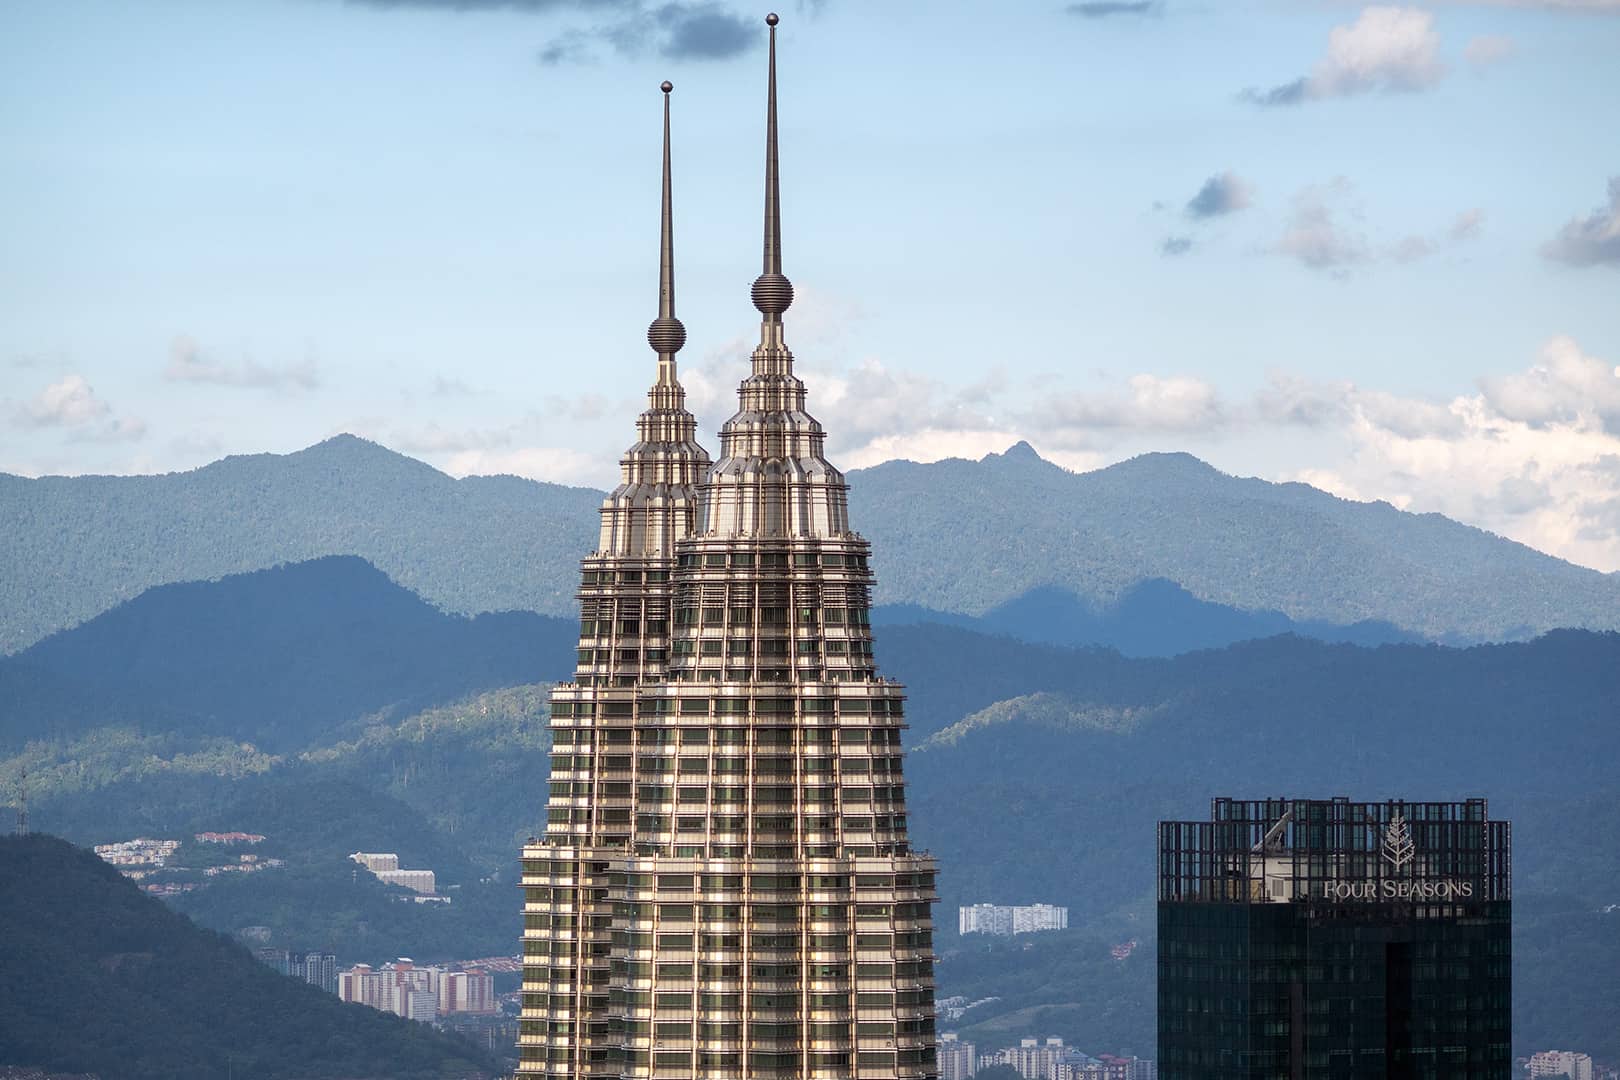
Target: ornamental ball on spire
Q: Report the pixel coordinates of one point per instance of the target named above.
(666, 334)
(773, 294)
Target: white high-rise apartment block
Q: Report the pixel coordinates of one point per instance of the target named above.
(384, 866)
(1561, 1063)
(376, 861)
(1004, 919)
(1032, 1058)
(957, 1060)
(401, 988)
(1036, 917)
(467, 992)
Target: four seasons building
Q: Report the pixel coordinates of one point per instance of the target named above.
(725, 887)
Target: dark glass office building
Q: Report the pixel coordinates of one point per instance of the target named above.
(1324, 938)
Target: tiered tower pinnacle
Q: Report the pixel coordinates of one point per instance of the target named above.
(725, 888)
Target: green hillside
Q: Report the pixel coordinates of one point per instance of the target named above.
(957, 536)
(1035, 773)
(101, 978)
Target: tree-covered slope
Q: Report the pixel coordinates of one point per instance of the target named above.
(97, 977)
(281, 657)
(76, 546)
(956, 536)
(969, 535)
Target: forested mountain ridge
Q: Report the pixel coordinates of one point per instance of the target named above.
(1035, 772)
(478, 544)
(119, 985)
(995, 528)
(281, 657)
(956, 536)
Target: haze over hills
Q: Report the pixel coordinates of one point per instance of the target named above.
(955, 536)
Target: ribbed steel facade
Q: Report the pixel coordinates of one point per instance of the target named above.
(725, 887)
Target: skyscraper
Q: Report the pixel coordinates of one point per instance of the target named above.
(1327, 938)
(725, 887)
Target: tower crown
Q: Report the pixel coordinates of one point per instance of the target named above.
(652, 507)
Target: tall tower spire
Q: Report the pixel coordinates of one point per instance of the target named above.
(773, 292)
(666, 335)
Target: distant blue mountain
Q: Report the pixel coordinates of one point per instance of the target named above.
(1153, 618)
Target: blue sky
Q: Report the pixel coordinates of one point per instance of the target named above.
(1375, 248)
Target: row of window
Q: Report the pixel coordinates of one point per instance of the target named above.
(780, 737)
(732, 706)
(770, 560)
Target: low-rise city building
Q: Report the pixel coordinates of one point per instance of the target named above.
(1568, 1063)
(140, 852)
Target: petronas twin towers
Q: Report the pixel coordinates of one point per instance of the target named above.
(725, 888)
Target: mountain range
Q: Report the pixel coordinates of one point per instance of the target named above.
(1035, 772)
(957, 537)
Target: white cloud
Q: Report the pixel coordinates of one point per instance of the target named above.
(1592, 240)
(1597, 7)
(556, 465)
(1323, 232)
(1534, 456)
(1223, 193)
(71, 403)
(1488, 50)
(1565, 387)
(1388, 49)
(927, 445)
(434, 439)
(1316, 234)
(188, 363)
(1148, 403)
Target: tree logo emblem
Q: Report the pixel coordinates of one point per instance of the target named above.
(1398, 846)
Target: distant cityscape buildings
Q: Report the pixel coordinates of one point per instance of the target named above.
(141, 852)
(956, 1058)
(316, 968)
(1005, 920)
(1039, 1059)
(1561, 1063)
(418, 993)
(384, 866)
